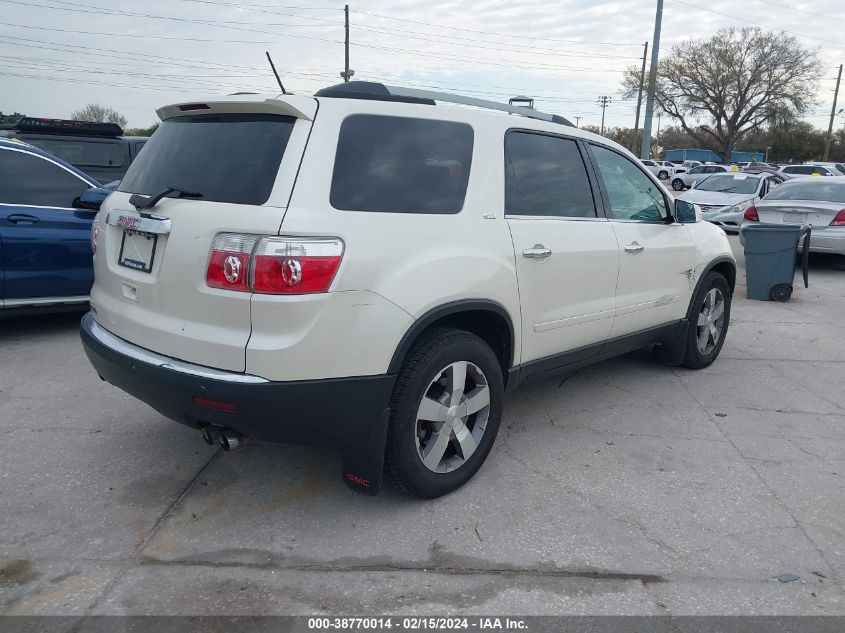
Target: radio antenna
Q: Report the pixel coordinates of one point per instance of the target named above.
(273, 66)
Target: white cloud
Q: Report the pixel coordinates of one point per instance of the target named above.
(566, 53)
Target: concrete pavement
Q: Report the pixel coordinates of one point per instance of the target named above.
(627, 488)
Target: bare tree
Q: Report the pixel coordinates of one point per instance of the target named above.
(99, 114)
(721, 88)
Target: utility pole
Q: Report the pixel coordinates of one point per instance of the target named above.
(635, 141)
(832, 114)
(603, 101)
(652, 82)
(657, 138)
(577, 121)
(346, 74)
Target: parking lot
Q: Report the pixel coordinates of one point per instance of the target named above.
(627, 488)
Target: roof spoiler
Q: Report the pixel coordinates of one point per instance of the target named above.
(295, 106)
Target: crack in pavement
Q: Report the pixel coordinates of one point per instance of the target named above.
(127, 563)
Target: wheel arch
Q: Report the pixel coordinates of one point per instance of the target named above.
(723, 265)
(486, 319)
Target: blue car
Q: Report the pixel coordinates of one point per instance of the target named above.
(46, 211)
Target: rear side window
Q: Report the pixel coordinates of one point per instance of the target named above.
(226, 158)
(546, 176)
(401, 165)
(30, 180)
(81, 152)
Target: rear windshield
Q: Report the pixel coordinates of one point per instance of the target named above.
(814, 189)
(225, 158)
(401, 165)
(80, 152)
(727, 183)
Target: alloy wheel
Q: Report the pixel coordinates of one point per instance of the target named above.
(711, 321)
(452, 416)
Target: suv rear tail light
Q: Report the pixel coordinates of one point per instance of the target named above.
(751, 214)
(228, 265)
(839, 220)
(293, 265)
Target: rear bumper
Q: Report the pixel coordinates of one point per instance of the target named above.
(342, 413)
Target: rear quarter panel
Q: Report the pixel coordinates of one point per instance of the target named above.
(416, 262)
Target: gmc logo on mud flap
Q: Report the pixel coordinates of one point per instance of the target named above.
(355, 479)
(128, 222)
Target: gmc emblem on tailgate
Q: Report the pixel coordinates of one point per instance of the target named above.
(128, 222)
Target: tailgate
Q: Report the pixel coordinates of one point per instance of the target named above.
(150, 265)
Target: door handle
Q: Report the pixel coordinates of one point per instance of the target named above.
(538, 252)
(22, 218)
(634, 247)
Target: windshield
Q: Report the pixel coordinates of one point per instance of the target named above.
(814, 189)
(730, 183)
(224, 158)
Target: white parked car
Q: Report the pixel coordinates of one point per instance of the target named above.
(839, 167)
(816, 201)
(663, 169)
(695, 175)
(369, 269)
(723, 198)
(814, 169)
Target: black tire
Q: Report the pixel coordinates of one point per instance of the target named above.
(663, 175)
(781, 292)
(433, 352)
(694, 358)
(678, 184)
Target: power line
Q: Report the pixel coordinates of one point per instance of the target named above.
(826, 16)
(765, 26)
(529, 37)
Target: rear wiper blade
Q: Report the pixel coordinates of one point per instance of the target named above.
(143, 202)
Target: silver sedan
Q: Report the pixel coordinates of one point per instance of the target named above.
(819, 202)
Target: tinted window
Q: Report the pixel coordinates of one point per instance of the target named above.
(28, 179)
(546, 176)
(800, 169)
(401, 165)
(697, 170)
(730, 183)
(226, 158)
(81, 152)
(632, 194)
(817, 189)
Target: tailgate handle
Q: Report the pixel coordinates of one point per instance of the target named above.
(132, 221)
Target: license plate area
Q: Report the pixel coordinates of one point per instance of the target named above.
(793, 218)
(137, 250)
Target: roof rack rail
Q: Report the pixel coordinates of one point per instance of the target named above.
(378, 91)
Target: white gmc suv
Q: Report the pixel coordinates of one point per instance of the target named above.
(370, 268)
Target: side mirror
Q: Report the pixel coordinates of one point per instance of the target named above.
(91, 199)
(686, 212)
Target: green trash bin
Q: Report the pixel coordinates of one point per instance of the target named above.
(770, 259)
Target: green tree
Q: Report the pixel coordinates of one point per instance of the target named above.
(142, 131)
(719, 89)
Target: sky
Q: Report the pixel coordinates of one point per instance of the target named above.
(58, 55)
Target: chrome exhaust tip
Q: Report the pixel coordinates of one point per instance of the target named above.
(229, 440)
(209, 435)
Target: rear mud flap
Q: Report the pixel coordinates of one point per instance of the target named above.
(672, 349)
(362, 468)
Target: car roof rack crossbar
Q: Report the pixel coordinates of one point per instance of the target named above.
(380, 92)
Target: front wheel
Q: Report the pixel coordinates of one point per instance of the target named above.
(663, 175)
(444, 413)
(678, 184)
(708, 326)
